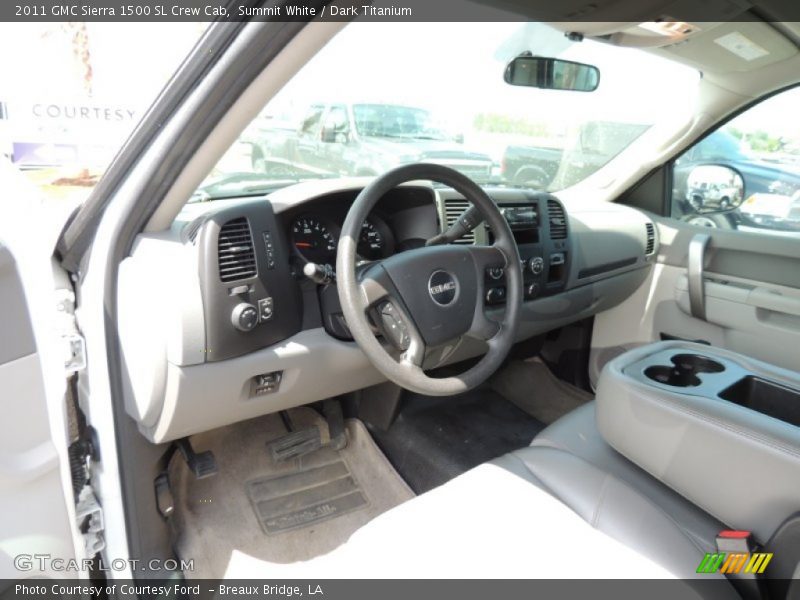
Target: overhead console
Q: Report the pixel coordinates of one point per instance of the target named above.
(720, 428)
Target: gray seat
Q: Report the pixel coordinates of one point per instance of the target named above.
(572, 462)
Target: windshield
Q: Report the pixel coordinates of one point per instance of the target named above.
(385, 120)
(371, 100)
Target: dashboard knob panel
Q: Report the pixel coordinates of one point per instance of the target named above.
(244, 317)
(536, 265)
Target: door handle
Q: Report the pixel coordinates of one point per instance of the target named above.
(774, 301)
(697, 296)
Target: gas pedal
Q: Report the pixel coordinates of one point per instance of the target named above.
(295, 444)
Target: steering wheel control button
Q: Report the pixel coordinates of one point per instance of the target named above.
(265, 306)
(244, 317)
(443, 288)
(495, 272)
(536, 265)
(496, 295)
(394, 326)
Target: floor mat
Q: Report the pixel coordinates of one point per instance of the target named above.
(532, 387)
(278, 512)
(436, 439)
(306, 497)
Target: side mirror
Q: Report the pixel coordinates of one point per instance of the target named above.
(714, 188)
(552, 74)
(330, 135)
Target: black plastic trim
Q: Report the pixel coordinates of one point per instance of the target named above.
(606, 267)
(273, 279)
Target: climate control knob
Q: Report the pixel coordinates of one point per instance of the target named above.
(536, 265)
(244, 317)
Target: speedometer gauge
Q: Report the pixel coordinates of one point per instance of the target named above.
(370, 242)
(314, 241)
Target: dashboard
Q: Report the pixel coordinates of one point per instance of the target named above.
(219, 324)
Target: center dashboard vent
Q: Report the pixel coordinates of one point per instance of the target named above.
(235, 252)
(651, 238)
(454, 209)
(557, 219)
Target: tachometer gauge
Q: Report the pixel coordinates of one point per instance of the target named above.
(314, 241)
(370, 243)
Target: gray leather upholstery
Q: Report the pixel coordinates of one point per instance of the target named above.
(571, 461)
(734, 462)
(577, 433)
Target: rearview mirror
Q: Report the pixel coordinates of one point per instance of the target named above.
(552, 74)
(714, 188)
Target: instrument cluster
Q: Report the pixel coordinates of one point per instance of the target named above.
(315, 238)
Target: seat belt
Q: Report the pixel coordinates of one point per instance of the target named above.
(743, 563)
(783, 575)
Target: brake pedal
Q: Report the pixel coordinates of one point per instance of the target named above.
(332, 411)
(202, 464)
(295, 444)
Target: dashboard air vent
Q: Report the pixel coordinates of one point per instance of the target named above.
(651, 238)
(558, 221)
(454, 209)
(235, 251)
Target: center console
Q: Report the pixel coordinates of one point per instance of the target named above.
(720, 428)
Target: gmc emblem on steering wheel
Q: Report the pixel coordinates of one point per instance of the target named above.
(442, 287)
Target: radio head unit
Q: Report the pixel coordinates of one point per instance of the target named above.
(521, 216)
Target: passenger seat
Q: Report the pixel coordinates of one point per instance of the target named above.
(616, 496)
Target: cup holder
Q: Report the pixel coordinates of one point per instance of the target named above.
(685, 370)
(672, 376)
(696, 363)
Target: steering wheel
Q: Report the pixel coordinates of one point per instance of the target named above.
(429, 297)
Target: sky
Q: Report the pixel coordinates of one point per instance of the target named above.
(131, 61)
(776, 115)
(452, 69)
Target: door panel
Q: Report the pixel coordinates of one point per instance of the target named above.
(751, 294)
(34, 518)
